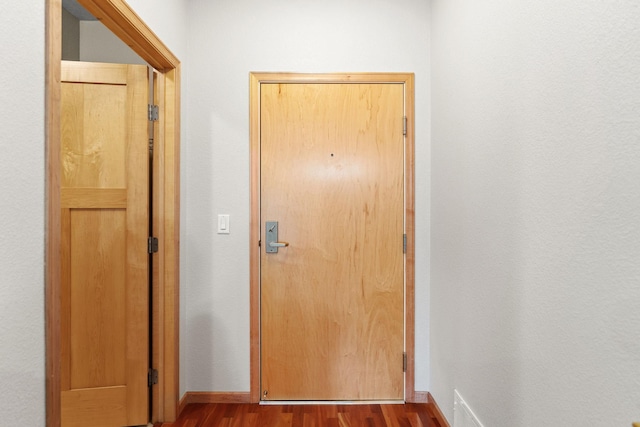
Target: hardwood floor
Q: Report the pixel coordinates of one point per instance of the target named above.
(254, 415)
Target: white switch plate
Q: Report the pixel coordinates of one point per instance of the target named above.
(223, 224)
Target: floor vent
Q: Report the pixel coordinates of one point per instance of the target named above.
(463, 416)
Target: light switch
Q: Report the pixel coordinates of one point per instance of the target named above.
(223, 224)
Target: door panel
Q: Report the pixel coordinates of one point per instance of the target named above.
(98, 332)
(89, 158)
(332, 302)
(105, 217)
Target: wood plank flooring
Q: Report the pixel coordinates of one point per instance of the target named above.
(254, 415)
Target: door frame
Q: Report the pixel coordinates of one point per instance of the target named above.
(255, 80)
(118, 16)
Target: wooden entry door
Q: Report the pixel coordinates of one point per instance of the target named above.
(104, 256)
(332, 301)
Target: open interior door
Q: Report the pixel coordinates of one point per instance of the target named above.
(105, 222)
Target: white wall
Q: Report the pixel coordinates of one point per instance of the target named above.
(22, 214)
(70, 37)
(168, 21)
(98, 44)
(227, 40)
(535, 280)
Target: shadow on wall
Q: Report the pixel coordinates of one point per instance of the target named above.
(212, 349)
(200, 341)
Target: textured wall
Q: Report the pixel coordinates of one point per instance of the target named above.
(98, 44)
(22, 214)
(168, 21)
(536, 210)
(70, 37)
(227, 40)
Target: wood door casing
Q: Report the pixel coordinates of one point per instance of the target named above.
(104, 259)
(332, 303)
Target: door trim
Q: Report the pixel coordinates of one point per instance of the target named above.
(255, 80)
(124, 23)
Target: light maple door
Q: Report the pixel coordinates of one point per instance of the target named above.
(105, 223)
(332, 301)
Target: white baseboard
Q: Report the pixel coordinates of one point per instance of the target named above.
(463, 416)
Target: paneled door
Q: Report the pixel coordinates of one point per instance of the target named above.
(105, 226)
(332, 189)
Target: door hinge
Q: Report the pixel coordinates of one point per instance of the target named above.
(151, 144)
(152, 245)
(404, 125)
(404, 362)
(152, 377)
(154, 113)
(404, 243)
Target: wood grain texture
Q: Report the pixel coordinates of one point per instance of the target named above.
(215, 397)
(277, 77)
(137, 257)
(65, 303)
(97, 324)
(409, 224)
(254, 236)
(87, 198)
(85, 72)
(104, 407)
(53, 34)
(248, 415)
(158, 259)
(104, 257)
(93, 116)
(169, 217)
(332, 173)
(256, 80)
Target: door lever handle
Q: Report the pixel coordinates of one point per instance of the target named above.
(278, 244)
(272, 238)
